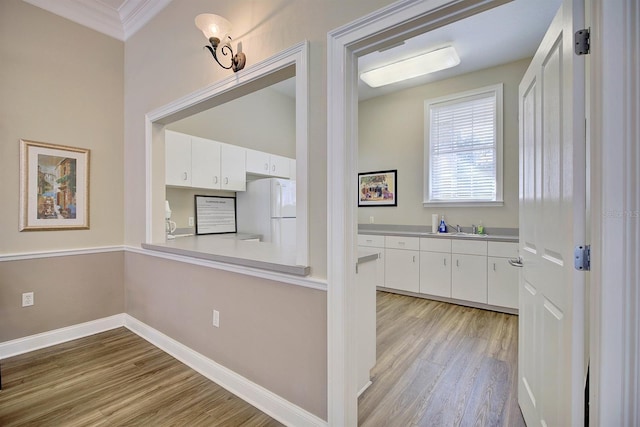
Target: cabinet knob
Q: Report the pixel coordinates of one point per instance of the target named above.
(273, 168)
(266, 166)
(215, 179)
(444, 262)
(414, 258)
(184, 176)
(226, 180)
(457, 263)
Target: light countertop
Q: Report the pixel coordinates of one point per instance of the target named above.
(227, 249)
(500, 235)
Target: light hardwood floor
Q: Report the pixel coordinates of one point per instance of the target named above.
(441, 365)
(115, 378)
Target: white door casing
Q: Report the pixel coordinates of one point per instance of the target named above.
(552, 221)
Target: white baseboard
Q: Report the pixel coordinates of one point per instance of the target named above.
(59, 336)
(258, 396)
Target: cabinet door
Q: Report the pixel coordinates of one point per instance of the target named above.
(233, 167)
(402, 270)
(502, 283)
(469, 277)
(205, 163)
(258, 162)
(279, 166)
(177, 159)
(435, 274)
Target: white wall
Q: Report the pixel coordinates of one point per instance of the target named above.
(391, 136)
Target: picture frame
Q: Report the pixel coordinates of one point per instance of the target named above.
(215, 214)
(378, 188)
(54, 187)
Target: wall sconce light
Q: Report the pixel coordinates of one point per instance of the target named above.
(216, 29)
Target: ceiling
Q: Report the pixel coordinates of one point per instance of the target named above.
(498, 36)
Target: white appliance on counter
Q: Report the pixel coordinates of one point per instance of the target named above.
(268, 208)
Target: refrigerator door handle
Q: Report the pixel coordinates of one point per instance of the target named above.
(277, 205)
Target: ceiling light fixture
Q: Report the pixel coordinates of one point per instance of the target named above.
(436, 60)
(216, 29)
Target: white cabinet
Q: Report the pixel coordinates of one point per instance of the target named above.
(233, 168)
(402, 263)
(265, 164)
(177, 159)
(469, 277)
(196, 162)
(369, 241)
(205, 163)
(502, 278)
(469, 270)
(435, 267)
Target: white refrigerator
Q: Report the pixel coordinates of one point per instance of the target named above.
(268, 208)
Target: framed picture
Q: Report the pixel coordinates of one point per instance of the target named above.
(378, 188)
(215, 214)
(54, 187)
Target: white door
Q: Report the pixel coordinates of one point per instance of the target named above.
(552, 197)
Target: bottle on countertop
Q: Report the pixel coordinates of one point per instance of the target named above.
(480, 228)
(443, 226)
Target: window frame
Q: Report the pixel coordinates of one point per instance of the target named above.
(497, 90)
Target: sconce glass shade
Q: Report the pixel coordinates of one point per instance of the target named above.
(213, 26)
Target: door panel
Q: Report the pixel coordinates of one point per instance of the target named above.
(551, 332)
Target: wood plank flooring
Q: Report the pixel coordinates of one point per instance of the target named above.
(115, 378)
(441, 365)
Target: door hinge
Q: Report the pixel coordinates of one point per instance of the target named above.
(582, 257)
(582, 42)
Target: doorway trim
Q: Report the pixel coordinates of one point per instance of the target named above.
(382, 28)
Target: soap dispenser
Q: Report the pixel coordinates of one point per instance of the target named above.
(443, 226)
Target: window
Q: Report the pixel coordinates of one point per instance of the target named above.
(463, 148)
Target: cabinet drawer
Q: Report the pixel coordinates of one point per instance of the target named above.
(397, 242)
(503, 249)
(371, 240)
(435, 245)
(468, 247)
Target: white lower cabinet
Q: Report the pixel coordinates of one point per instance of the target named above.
(369, 241)
(402, 270)
(469, 277)
(435, 267)
(402, 263)
(502, 278)
(462, 269)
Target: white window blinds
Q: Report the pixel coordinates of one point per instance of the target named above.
(463, 149)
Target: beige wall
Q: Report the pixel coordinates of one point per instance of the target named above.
(60, 83)
(391, 136)
(68, 290)
(264, 120)
(271, 333)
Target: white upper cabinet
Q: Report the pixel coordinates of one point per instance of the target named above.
(177, 159)
(196, 162)
(232, 165)
(265, 164)
(205, 163)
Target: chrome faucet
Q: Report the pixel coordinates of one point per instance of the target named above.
(474, 229)
(458, 228)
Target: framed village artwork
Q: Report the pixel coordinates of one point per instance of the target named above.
(54, 187)
(378, 188)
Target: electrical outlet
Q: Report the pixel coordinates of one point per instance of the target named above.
(371, 220)
(191, 221)
(27, 299)
(216, 318)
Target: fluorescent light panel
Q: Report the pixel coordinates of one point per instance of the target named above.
(429, 62)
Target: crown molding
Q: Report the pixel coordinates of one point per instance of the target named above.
(118, 23)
